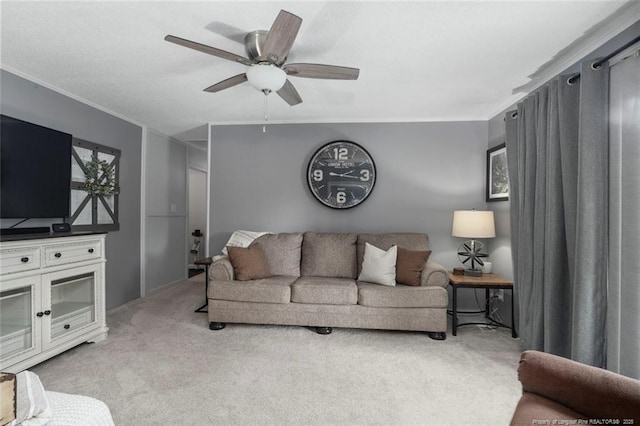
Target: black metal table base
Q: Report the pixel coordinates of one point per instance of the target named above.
(205, 308)
(489, 320)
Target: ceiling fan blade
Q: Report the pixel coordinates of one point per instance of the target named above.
(281, 36)
(289, 94)
(332, 72)
(208, 49)
(227, 31)
(225, 84)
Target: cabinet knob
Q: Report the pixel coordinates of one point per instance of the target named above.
(67, 326)
(58, 255)
(39, 314)
(90, 250)
(24, 260)
(47, 312)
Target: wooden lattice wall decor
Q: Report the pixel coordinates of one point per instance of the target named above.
(91, 212)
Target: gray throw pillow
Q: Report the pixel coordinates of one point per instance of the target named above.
(283, 252)
(329, 255)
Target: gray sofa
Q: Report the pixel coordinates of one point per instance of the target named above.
(314, 283)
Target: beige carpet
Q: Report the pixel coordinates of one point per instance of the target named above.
(162, 365)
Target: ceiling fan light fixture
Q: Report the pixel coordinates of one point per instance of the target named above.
(266, 77)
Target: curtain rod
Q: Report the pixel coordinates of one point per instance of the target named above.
(597, 64)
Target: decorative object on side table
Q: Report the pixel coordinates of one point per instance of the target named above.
(341, 174)
(473, 224)
(497, 174)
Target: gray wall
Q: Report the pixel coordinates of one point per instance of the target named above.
(31, 102)
(500, 247)
(198, 158)
(425, 172)
(198, 178)
(166, 211)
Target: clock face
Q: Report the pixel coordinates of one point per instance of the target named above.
(341, 174)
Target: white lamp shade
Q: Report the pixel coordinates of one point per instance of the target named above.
(473, 224)
(266, 77)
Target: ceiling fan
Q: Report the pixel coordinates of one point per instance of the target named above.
(267, 52)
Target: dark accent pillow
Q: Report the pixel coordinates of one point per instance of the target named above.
(409, 266)
(248, 263)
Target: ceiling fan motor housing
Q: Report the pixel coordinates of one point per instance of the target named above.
(254, 46)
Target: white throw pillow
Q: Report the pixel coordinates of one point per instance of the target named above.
(379, 266)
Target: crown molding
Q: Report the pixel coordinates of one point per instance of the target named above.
(69, 94)
(620, 20)
(348, 121)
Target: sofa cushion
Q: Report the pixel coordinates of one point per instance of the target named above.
(329, 255)
(324, 291)
(409, 241)
(275, 289)
(248, 263)
(401, 296)
(410, 264)
(283, 252)
(379, 266)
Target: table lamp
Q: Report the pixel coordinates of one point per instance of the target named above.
(473, 224)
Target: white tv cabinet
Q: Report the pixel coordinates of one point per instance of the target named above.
(52, 297)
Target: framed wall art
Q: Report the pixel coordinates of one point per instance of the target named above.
(497, 174)
(95, 187)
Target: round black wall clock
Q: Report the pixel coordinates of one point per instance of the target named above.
(341, 174)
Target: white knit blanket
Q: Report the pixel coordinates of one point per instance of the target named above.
(78, 410)
(37, 407)
(242, 239)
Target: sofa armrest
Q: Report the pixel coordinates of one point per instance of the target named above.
(434, 274)
(221, 269)
(595, 392)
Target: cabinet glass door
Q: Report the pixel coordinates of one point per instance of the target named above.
(18, 333)
(73, 304)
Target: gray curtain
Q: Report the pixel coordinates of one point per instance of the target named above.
(557, 150)
(623, 313)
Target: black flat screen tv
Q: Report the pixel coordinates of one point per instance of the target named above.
(35, 170)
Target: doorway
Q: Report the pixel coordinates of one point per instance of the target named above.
(197, 218)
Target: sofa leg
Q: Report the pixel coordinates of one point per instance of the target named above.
(324, 330)
(217, 325)
(437, 335)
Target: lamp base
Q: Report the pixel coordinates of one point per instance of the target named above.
(473, 272)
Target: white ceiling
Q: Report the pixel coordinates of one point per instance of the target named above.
(419, 61)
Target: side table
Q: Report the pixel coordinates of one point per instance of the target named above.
(487, 282)
(207, 261)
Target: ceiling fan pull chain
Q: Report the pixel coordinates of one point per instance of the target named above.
(266, 111)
